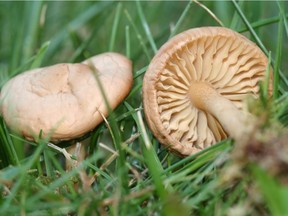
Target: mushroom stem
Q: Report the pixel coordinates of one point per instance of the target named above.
(206, 98)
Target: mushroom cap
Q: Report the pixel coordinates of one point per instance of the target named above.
(223, 59)
(64, 100)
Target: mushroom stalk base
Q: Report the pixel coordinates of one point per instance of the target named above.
(206, 98)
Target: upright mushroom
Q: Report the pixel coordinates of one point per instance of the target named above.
(64, 101)
(194, 87)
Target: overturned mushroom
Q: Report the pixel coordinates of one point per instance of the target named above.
(194, 87)
(64, 101)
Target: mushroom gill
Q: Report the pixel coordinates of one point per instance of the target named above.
(203, 63)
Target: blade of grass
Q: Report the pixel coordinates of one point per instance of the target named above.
(122, 170)
(134, 91)
(223, 11)
(235, 22)
(40, 55)
(90, 165)
(47, 162)
(82, 50)
(151, 159)
(274, 194)
(199, 162)
(281, 109)
(22, 176)
(138, 35)
(146, 26)
(115, 27)
(18, 37)
(55, 161)
(264, 22)
(209, 12)
(128, 45)
(221, 146)
(250, 28)
(19, 69)
(258, 41)
(32, 26)
(76, 23)
(285, 18)
(24, 31)
(267, 77)
(150, 156)
(264, 85)
(181, 19)
(140, 72)
(278, 55)
(32, 62)
(74, 38)
(206, 190)
(63, 179)
(9, 151)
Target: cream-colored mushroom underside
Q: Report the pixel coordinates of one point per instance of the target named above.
(230, 66)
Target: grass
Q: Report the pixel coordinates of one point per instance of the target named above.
(127, 171)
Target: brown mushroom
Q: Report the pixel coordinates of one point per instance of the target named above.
(64, 100)
(194, 87)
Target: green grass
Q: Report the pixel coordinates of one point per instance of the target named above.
(139, 176)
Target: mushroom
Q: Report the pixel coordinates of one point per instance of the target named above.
(64, 101)
(194, 88)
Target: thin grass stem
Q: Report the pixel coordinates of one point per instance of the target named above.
(138, 35)
(128, 43)
(115, 27)
(264, 22)
(180, 20)
(276, 77)
(146, 26)
(250, 28)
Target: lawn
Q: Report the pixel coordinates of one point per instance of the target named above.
(126, 170)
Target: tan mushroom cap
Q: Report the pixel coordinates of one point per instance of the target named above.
(194, 88)
(65, 99)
